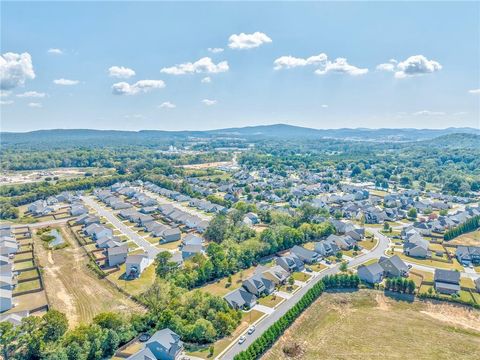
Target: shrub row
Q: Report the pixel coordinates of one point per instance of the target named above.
(450, 299)
(268, 338)
(471, 224)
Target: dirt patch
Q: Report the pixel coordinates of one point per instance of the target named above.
(74, 289)
(455, 315)
(382, 302)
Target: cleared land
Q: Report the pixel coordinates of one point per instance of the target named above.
(74, 289)
(468, 239)
(368, 325)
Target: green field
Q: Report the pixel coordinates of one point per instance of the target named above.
(368, 325)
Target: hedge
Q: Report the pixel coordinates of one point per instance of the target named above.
(471, 224)
(270, 336)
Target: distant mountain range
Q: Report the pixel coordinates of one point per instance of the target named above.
(252, 132)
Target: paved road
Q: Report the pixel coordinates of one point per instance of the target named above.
(151, 250)
(42, 223)
(269, 320)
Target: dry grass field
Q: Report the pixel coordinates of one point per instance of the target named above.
(369, 325)
(74, 289)
(468, 239)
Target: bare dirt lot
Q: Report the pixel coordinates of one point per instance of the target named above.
(369, 325)
(468, 239)
(73, 288)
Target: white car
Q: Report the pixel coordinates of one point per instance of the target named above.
(251, 329)
(242, 339)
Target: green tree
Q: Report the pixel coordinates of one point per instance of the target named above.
(412, 213)
(8, 339)
(54, 325)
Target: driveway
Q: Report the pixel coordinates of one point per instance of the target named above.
(151, 250)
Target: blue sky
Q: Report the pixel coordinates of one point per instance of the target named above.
(60, 55)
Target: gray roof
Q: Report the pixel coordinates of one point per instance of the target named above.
(447, 276)
(393, 263)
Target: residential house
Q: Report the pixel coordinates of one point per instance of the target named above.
(163, 345)
(170, 235)
(276, 273)
(447, 281)
(468, 255)
(290, 263)
(416, 246)
(117, 255)
(259, 285)
(136, 264)
(240, 299)
(372, 274)
(191, 250)
(307, 256)
(393, 266)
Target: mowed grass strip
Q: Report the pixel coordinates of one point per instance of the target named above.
(368, 325)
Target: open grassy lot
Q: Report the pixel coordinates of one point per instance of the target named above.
(220, 287)
(468, 239)
(24, 265)
(73, 288)
(368, 325)
(134, 286)
(220, 345)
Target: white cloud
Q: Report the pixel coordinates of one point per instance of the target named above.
(215, 50)
(428, 113)
(65, 82)
(341, 66)
(209, 102)
(474, 91)
(288, 62)
(5, 93)
(390, 66)
(121, 72)
(204, 65)
(324, 106)
(247, 41)
(167, 105)
(35, 105)
(55, 51)
(124, 88)
(321, 62)
(416, 65)
(15, 70)
(6, 102)
(32, 94)
(207, 80)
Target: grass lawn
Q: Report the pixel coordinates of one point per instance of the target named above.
(301, 276)
(169, 246)
(427, 330)
(220, 287)
(271, 300)
(436, 247)
(429, 262)
(24, 256)
(28, 274)
(317, 267)
(135, 286)
(370, 262)
(23, 265)
(467, 282)
(27, 285)
(288, 288)
(220, 345)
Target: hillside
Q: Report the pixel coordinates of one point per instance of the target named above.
(153, 137)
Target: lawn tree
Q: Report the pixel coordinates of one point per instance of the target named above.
(8, 337)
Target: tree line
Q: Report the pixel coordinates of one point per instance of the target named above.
(471, 224)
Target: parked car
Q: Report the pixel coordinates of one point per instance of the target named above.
(251, 329)
(242, 339)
